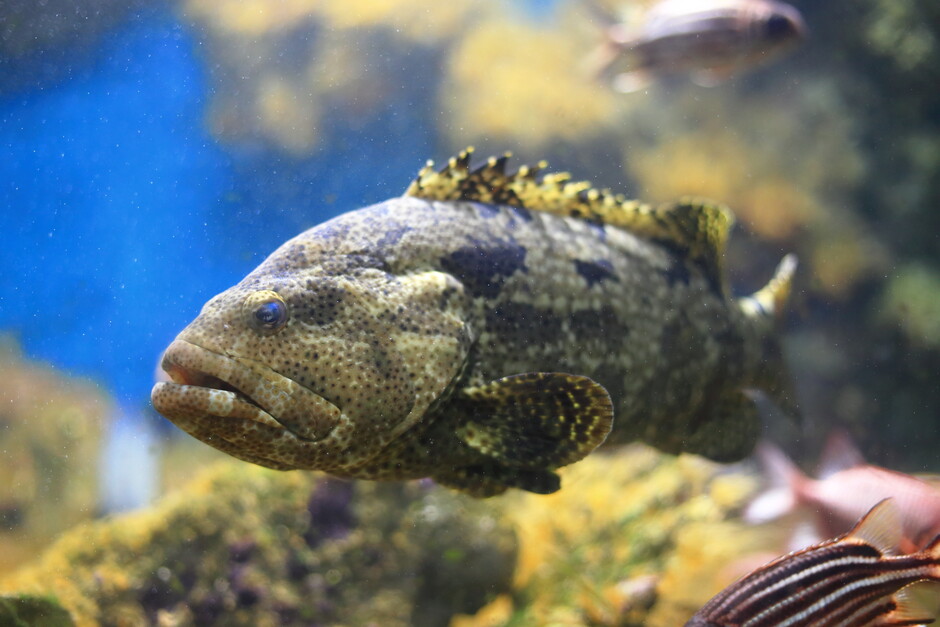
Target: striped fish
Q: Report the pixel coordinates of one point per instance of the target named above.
(851, 581)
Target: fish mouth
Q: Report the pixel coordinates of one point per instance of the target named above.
(214, 396)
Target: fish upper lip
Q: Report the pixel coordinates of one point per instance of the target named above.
(279, 401)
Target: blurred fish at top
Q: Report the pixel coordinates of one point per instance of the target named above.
(708, 40)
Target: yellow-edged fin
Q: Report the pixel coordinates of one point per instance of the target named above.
(880, 527)
(695, 228)
(535, 420)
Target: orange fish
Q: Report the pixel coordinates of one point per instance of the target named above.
(709, 40)
(846, 489)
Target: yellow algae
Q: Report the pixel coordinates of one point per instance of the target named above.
(593, 553)
(732, 490)
(281, 65)
(496, 612)
(51, 429)
(286, 115)
(701, 565)
(841, 257)
(756, 165)
(420, 20)
(245, 545)
(248, 17)
(522, 84)
(779, 186)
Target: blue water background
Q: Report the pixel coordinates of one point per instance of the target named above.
(121, 215)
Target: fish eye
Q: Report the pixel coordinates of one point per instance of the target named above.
(266, 311)
(779, 26)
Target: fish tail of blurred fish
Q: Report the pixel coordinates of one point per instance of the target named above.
(767, 307)
(787, 480)
(616, 40)
(598, 64)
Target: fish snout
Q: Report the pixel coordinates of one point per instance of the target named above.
(217, 385)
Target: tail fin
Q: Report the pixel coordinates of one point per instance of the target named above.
(768, 305)
(786, 480)
(770, 300)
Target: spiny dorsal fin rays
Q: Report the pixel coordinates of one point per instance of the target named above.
(693, 227)
(880, 527)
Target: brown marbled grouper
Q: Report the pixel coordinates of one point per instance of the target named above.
(483, 330)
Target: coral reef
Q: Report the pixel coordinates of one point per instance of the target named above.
(634, 538)
(284, 72)
(801, 203)
(51, 429)
(249, 546)
(521, 85)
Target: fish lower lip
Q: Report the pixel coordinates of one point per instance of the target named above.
(185, 376)
(184, 403)
(222, 386)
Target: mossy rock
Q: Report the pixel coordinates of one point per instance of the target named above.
(241, 545)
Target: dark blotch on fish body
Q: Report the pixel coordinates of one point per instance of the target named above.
(484, 265)
(595, 271)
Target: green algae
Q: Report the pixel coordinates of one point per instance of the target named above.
(32, 611)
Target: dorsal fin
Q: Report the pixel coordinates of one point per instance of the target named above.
(839, 453)
(880, 527)
(695, 228)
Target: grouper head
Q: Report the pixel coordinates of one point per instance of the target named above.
(316, 360)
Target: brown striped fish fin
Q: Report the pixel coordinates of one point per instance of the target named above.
(907, 611)
(880, 527)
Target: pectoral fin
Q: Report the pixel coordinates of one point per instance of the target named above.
(536, 420)
(727, 429)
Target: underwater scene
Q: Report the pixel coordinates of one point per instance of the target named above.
(478, 313)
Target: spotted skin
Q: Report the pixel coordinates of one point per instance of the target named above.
(407, 326)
